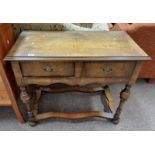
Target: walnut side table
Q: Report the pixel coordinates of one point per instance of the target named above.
(77, 59)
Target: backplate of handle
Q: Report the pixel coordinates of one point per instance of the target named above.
(48, 69)
(107, 69)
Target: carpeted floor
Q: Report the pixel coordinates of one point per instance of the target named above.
(138, 112)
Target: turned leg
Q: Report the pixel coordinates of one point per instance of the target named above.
(26, 99)
(36, 103)
(105, 104)
(125, 93)
(110, 105)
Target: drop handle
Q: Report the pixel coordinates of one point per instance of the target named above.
(7, 41)
(107, 69)
(48, 69)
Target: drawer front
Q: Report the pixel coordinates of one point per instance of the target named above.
(109, 69)
(40, 68)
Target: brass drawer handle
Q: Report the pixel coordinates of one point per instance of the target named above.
(107, 69)
(8, 42)
(48, 69)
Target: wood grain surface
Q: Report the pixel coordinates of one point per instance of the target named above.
(43, 45)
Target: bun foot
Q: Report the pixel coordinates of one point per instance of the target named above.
(115, 121)
(32, 124)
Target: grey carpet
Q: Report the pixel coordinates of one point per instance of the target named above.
(138, 112)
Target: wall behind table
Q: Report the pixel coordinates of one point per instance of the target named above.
(18, 28)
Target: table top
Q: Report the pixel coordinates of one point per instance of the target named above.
(71, 45)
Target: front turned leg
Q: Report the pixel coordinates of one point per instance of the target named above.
(26, 99)
(124, 95)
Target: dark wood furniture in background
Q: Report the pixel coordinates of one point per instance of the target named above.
(144, 35)
(77, 59)
(8, 87)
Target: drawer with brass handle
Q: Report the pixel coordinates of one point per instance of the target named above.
(109, 69)
(42, 68)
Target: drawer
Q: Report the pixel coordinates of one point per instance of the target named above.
(40, 68)
(109, 69)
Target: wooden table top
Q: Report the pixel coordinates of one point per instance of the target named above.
(71, 45)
